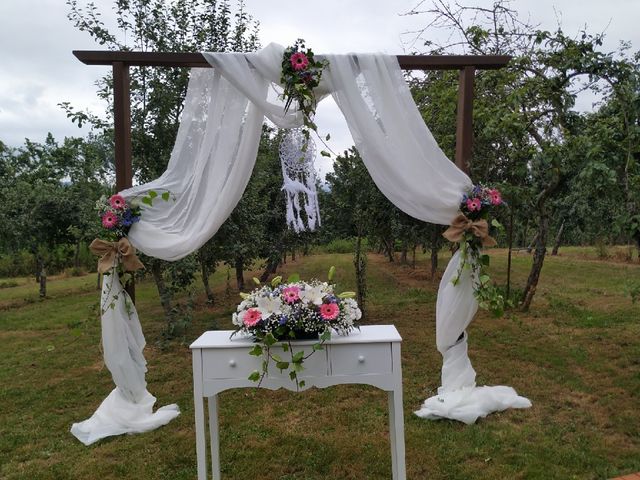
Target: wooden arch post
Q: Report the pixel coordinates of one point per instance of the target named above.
(121, 61)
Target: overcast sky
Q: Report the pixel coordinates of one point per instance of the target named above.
(38, 70)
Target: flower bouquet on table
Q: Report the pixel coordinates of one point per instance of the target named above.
(284, 312)
(471, 229)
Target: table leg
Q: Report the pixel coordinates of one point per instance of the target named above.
(198, 400)
(396, 431)
(215, 437)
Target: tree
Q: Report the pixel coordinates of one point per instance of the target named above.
(527, 131)
(157, 94)
(356, 208)
(44, 192)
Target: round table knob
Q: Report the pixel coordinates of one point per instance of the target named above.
(232, 363)
(361, 359)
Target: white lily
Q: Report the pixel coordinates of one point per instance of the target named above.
(312, 294)
(269, 306)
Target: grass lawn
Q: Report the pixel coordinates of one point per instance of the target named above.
(576, 355)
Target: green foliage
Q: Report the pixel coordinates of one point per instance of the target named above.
(554, 164)
(632, 289)
(338, 245)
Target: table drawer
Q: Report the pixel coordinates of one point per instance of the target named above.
(237, 363)
(356, 359)
(228, 363)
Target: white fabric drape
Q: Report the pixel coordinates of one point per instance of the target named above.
(458, 398)
(129, 406)
(210, 166)
(396, 146)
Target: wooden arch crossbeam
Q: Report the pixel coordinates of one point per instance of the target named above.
(121, 61)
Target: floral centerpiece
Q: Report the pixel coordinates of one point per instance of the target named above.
(471, 229)
(282, 312)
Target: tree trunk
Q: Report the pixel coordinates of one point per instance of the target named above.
(76, 258)
(413, 256)
(240, 273)
(205, 280)
(38, 267)
(508, 288)
(524, 234)
(434, 263)
(360, 264)
(541, 243)
(43, 281)
(536, 267)
(270, 268)
(556, 244)
(293, 254)
(533, 242)
(434, 251)
(388, 247)
(405, 253)
(165, 294)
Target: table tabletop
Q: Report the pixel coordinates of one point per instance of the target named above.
(366, 334)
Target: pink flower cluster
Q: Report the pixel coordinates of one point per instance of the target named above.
(329, 311)
(252, 317)
(481, 197)
(116, 216)
(291, 294)
(299, 61)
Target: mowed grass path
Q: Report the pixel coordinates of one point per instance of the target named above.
(576, 355)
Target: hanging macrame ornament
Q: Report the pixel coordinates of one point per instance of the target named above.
(297, 153)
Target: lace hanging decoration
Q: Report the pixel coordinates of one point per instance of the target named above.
(299, 180)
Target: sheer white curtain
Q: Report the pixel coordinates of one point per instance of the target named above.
(411, 170)
(209, 169)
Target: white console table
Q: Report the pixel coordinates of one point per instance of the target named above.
(370, 356)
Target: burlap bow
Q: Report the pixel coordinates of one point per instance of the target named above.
(113, 252)
(461, 224)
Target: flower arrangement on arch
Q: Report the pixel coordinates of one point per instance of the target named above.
(296, 310)
(117, 216)
(301, 73)
(471, 229)
(115, 252)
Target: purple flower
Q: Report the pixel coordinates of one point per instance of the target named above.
(129, 218)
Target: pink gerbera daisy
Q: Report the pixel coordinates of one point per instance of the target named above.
(329, 311)
(109, 220)
(118, 202)
(291, 294)
(474, 204)
(299, 61)
(251, 317)
(496, 198)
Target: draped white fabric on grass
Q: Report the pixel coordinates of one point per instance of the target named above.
(129, 406)
(458, 398)
(210, 167)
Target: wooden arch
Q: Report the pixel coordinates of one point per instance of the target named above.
(121, 61)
